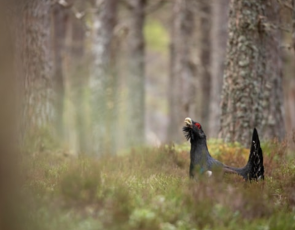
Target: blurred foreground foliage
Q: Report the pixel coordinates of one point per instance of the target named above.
(149, 189)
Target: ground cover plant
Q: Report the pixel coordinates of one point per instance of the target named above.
(149, 188)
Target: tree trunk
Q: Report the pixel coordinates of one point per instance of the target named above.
(37, 77)
(136, 74)
(102, 79)
(291, 85)
(205, 59)
(218, 38)
(60, 20)
(182, 86)
(241, 107)
(79, 72)
(293, 25)
(273, 124)
(9, 161)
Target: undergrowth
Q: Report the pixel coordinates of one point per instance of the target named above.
(149, 189)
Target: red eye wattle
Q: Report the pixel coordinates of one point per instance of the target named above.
(198, 125)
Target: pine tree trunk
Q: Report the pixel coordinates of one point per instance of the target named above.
(10, 182)
(241, 107)
(101, 79)
(291, 86)
(37, 77)
(219, 39)
(205, 60)
(136, 74)
(79, 73)
(182, 86)
(273, 124)
(76, 79)
(60, 17)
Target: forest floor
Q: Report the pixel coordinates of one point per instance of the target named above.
(149, 189)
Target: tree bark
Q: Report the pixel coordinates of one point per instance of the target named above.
(37, 77)
(241, 107)
(219, 39)
(101, 79)
(60, 20)
(205, 61)
(273, 124)
(79, 71)
(182, 86)
(291, 85)
(136, 74)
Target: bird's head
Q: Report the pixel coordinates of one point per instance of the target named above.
(193, 130)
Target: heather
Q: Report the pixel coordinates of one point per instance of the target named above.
(149, 188)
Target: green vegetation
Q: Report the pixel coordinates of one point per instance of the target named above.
(150, 189)
(156, 35)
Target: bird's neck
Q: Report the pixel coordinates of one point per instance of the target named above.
(198, 154)
(199, 147)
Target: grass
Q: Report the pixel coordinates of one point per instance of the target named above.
(150, 189)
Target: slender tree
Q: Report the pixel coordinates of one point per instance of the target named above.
(182, 86)
(136, 74)
(291, 85)
(205, 61)
(9, 182)
(78, 72)
(101, 79)
(241, 107)
(60, 16)
(218, 39)
(293, 24)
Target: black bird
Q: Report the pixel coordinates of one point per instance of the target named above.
(202, 160)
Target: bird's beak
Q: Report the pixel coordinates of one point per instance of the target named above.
(188, 121)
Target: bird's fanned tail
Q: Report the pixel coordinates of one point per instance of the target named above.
(255, 162)
(254, 169)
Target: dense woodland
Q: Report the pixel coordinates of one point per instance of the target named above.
(84, 82)
(98, 76)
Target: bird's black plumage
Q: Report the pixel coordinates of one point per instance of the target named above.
(201, 158)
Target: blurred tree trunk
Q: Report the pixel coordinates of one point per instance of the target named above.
(273, 124)
(136, 74)
(291, 104)
(77, 79)
(102, 78)
(60, 20)
(205, 61)
(293, 25)
(10, 211)
(80, 70)
(37, 77)
(182, 86)
(291, 85)
(218, 38)
(241, 107)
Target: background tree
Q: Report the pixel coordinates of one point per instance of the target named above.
(182, 82)
(241, 107)
(218, 40)
(136, 73)
(78, 72)
(36, 75)
(204, 7)
(10, 13)
(101, 78)
(60, 17)
(273, 110)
